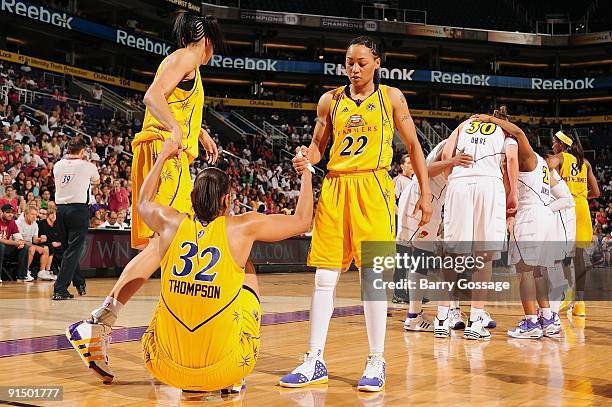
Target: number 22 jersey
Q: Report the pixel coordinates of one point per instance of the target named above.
(362, 131)
(200, 281)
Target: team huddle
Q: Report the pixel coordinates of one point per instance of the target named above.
(482, 181)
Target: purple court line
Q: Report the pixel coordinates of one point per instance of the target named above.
(50, 343)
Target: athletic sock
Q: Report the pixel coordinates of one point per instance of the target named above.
(442, 312)
(547, 313)
(532, 318)
(475, 313)
(412, 315)
(375, 313)
(109, 311)
(322, 307)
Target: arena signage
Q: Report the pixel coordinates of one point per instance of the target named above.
(67, 21)
(405, 74)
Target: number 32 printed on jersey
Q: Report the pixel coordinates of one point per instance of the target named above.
(187, 267)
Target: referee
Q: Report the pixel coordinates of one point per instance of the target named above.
(74, 176)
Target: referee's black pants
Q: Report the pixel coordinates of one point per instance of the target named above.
(72, 225)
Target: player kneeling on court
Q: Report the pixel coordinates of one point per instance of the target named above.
(204, 335)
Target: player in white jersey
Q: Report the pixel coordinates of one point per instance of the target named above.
(476, 203)
(420, 240)
(404, 178)
(400, 183)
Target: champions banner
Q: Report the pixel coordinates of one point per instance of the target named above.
(60, 19)
(70, 70)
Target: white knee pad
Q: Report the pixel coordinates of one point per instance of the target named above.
(326, 279)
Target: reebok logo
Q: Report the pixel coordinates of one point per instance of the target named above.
(562, 84)
(460, 78)
(144, 44)
(38, 13)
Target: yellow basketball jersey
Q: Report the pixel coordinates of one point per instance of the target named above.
(362, 133)
(576, 178)
(200, 280)
(187, 108)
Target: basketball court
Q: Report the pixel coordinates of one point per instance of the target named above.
(420, 370)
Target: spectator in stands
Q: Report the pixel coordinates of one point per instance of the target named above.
(48, 229)
(12, 243)
(28, 227)
(95, 223)
(53, 148)
(6, 181)
(119, 197)
(10, 198)
(99, 205)
(112, 222)
(121, 217)
(96, 93)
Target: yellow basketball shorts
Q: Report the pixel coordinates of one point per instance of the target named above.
(352, 208)
(174, 188)
(222, 374)
(584, 225)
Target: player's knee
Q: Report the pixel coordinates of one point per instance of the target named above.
(526, 275)
(326, 280)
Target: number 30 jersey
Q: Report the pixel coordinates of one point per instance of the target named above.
(362, 131)
(487, 143)
(199, 282)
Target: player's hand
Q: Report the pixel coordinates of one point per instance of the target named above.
(177, 136)
(462, 160)
(423, 205)
(482, 118)
(300, 163)
(212, 153)
(511, 203)
(170, 148)
(56, 244)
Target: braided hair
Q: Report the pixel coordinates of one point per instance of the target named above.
(371, 44)
(190, 28)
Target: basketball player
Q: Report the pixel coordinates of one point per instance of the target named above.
(420, 240)
(175, 102)
(204, 335)
(404, 178)
(533, 228)
(476, 205)
(400, 182)
(357, 200)
(570, 163)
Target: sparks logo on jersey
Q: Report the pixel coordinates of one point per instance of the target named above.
(423, 234)
(371, 106)
(345, 109)
(356, 121)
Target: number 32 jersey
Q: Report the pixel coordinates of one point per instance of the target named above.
(362, 131)
(200, 280)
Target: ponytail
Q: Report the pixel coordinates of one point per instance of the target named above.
(576, 150)
(377, 76)
(190, 28)
(501, 113)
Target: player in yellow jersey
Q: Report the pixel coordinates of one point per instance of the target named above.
(204, 335)
(357, 201)
(568, 160)
(175, 102)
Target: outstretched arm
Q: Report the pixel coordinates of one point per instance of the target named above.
(407, 131)
(158, 217)
(272, 228)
